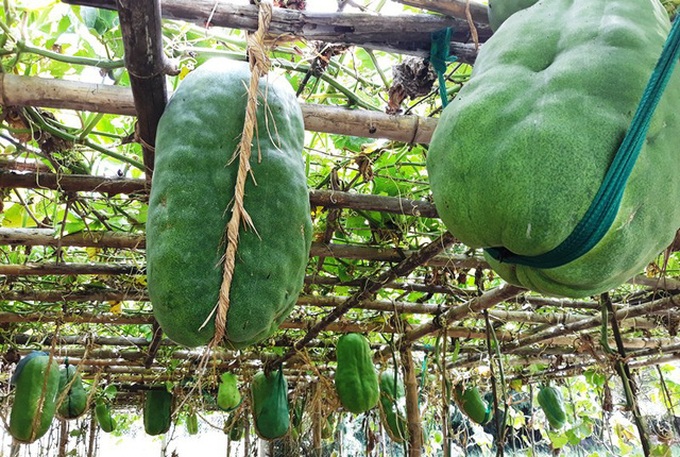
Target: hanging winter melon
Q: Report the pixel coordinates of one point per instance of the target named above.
(269, 404)
(157, 411)
(393, 406)
(191, 196)
(518, 156)
(356, 381)
(35, 398)
(74, 401)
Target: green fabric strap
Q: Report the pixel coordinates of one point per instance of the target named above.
(439, 58)
(602, 211)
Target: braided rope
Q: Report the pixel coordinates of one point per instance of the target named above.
(259, 66)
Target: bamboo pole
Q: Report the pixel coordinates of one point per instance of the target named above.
(371, 286)
(454, 8)
(100, 98)
(406, 33)
(325, 198)
(664, 304)
(415, 432)
(140, 25)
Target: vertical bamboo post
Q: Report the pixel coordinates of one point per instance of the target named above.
(246, 433)
(93, 430)
(316, 422)
(16, 447)
(63, 437)
(415, 433)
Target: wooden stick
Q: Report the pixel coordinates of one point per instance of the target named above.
(415, 433)
(454, 8)
(405, 33)
(112, 186)
(595, 321)
(140, 25)
(62, 94)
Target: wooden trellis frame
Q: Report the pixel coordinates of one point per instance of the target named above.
(146, 99)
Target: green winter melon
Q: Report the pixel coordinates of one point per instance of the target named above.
(102, 412)
(550, 400)
(157, 411)
(192, 423)
(500, 10)
(191, 193)
(470, 401)
(228, 395)
(356, 381)
(74, 402)
(393, 406)
(269, 403)
(35, 397)
(518, 156)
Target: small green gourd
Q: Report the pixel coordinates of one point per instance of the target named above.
(392, 406)
(550, 400)
(103, 414)
(228, 395)
(356, 381)
(269, 403)
(157, 411)
(74, 402)
(470, 401)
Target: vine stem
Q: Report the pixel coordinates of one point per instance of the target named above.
(494, 352)
(622, 368)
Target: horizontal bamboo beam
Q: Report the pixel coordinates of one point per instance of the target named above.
(405, 33)
(291, 324)
(457, 313)
(46, 237)
(532, 317)
(324, 198)
(454, 8)
(101, 98)
(664, 304)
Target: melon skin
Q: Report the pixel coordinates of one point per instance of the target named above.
(74, 403)
(192, 189)
(517, 158)
(103, 414)
(392, 406)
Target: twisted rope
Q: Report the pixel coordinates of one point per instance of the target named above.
(259, 66)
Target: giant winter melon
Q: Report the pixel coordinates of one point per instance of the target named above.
(191, 196)
(35, 398)
(518, 156)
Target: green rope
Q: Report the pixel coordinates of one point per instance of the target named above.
(439, 58)
(602, 211)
